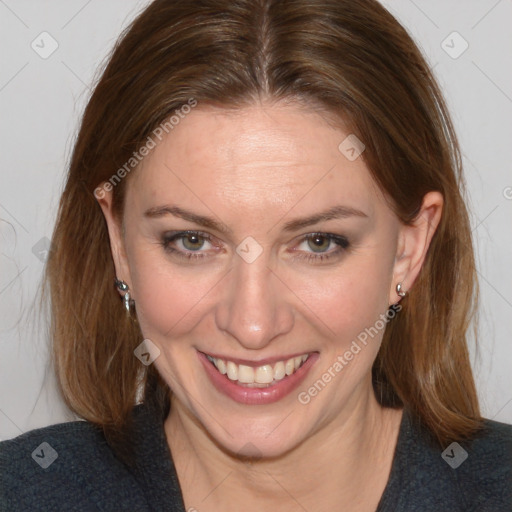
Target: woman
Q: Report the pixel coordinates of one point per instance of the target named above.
(274, 191)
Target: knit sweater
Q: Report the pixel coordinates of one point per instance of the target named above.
(72, 467)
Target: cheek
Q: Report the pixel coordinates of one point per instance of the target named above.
(169, 300)
(350, 299)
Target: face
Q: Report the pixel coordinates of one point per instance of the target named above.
(257, 253)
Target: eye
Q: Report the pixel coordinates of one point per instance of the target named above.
(318, 243)
(187, 244)
(192, 241)
(316, 247)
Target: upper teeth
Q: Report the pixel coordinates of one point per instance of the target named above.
(261, 374)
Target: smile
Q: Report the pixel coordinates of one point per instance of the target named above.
(258, 376)
(258, 382)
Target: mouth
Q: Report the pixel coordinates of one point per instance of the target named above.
(257, 382)
(262, 376)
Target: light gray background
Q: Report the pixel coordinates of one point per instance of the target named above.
(41, 101)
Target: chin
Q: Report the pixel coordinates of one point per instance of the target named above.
(252, 444)
(256, 447)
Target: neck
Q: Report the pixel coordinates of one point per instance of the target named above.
(346, 463)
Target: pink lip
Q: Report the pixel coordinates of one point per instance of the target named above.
(256, 396)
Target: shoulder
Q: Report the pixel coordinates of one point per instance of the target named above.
(475, 475)
(493, 444)
(486, 472)
(62, 467)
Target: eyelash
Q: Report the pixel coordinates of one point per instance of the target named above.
(168, 239)
(341, 242)
(311, 257)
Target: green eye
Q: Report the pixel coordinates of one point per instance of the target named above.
(321, 247)
(319, 243)
(188, 244)
(193, 242)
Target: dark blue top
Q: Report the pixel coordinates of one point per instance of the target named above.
(71, 467)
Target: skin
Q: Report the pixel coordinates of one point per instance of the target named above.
(252, 171)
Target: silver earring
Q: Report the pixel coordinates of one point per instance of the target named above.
(399, 291)
(123, 287)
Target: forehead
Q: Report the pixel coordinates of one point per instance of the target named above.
(259, 160)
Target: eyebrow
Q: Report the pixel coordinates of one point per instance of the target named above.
(176, 211)
(336, 212)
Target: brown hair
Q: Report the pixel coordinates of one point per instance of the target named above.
(354, 60)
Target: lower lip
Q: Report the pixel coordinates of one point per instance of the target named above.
(256, 396)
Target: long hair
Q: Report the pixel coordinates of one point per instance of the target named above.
(351, 59)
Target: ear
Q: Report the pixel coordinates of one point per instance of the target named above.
(115, 232)
(413, 242)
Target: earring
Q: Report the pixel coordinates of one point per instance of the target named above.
(123, 287)
(399, 291)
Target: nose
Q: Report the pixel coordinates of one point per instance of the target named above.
(256, 305)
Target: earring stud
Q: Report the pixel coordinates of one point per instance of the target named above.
(399, 291)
